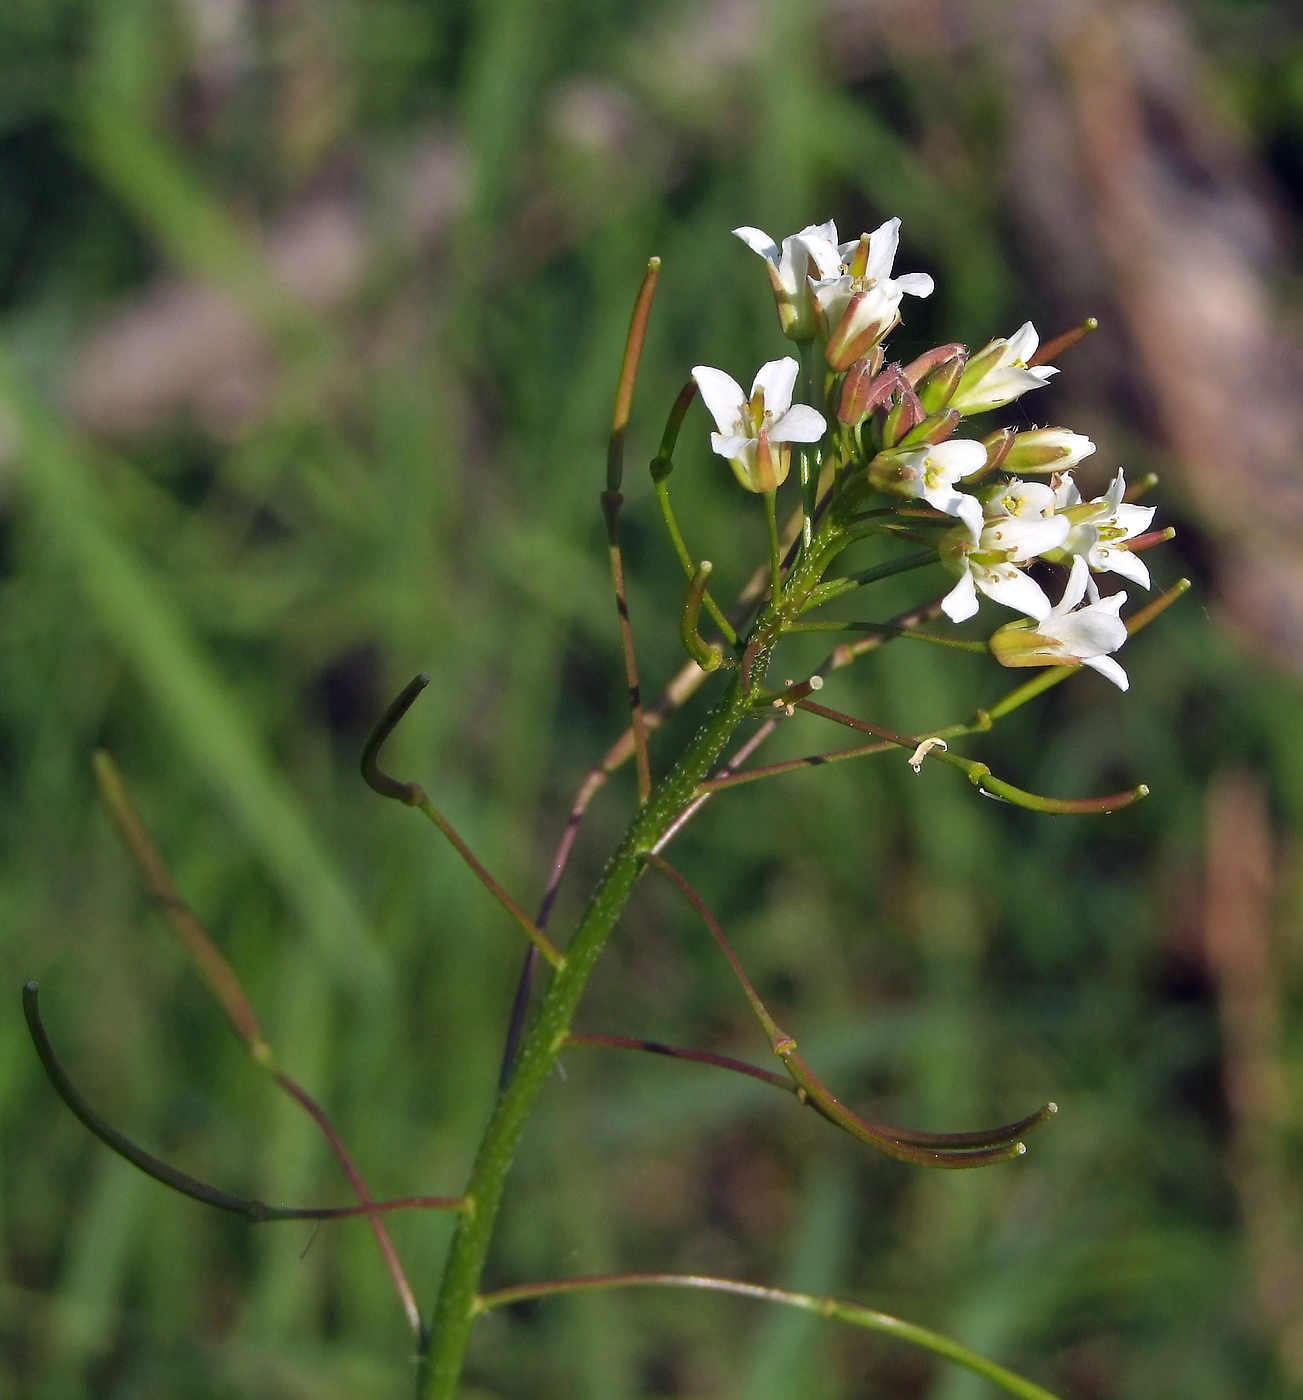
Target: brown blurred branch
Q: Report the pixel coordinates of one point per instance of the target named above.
(1238, 918)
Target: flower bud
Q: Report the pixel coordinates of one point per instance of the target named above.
(1047, 450)
(935, 429)
(937, 387)
(930, 359)
(869, 315)
(906, 413)
(997, 446)
(999, 373)
(863, 390)
(1018, 644)
(773, 460)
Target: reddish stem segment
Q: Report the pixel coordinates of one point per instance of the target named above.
(234, 1001)
(611, 502)
(947, 1150)
(414, 795)
(1053, 348)
(981, 777)
(677, 1052)
(256, 1212)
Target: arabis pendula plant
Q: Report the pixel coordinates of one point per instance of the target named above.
(888, 486)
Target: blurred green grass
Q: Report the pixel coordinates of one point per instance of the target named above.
(228, 608)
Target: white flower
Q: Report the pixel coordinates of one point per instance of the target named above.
(1047, 450)
(1069, 635)
(755, 432)
(813, 250)
(1020, 524)
(930, 473)
(998, 374)
(860, 301)
(1101, 528)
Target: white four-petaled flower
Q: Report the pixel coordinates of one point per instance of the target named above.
(843, 292)
(1069, 635)
(860, 302)
(1102, 527)
(789, 268)
(931, 473)
(1019, 524)
(998, 374)
(755, 431)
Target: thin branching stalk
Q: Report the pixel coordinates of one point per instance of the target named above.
(856, 1314)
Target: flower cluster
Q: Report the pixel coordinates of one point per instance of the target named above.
(890, 429)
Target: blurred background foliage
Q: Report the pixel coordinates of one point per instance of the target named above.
(312, 312)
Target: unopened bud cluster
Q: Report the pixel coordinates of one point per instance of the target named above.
(897, 431)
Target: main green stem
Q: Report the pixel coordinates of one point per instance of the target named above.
(454, 1310)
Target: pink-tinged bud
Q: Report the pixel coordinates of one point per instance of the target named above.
(904, 415)
(869, 315)
(864, 389)
(930, 359)
(935, 429)
(937, 387)
(773, 461)
(997, 446)
(1047, 450)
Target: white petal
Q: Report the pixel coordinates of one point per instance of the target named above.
(1022, 344)
(1002, 386)
(969, 510)
(819, 249)
(961, 602)
(1067, 493)
(723, 396)
(1027, 500)
(800, 423)
(916, 284)
(1094, 631)
(777, 379)
(731, 445)
(883, 242)
(1121, 561)
(960, 457)
(826, 233)
(1075, 588)
(1017, 591)
(1027, 537)
(1133, 519)
(758, 241)
(943, 497)
(1117, 489)
(1106, 666)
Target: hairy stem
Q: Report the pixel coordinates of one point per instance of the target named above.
(456, 1306)
(455, 1309)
